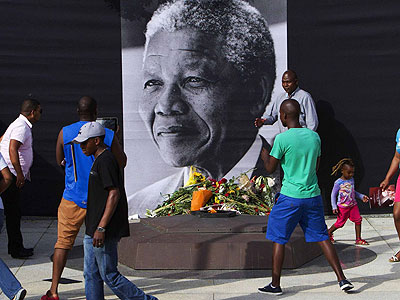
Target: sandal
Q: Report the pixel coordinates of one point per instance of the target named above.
(47, 297)
(361, 242)
(394, 257)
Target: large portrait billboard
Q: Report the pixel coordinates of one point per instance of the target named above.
(192, 88)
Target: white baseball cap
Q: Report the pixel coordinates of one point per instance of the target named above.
(89, 130)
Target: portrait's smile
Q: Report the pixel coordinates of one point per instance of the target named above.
(175, 131)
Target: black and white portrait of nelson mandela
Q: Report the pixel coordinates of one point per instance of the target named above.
(207, 70)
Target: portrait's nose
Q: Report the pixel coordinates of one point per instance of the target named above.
(170, 102)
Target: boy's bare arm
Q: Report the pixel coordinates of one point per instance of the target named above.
(60, 148)
(14, 157)
(119, 154)
(111, 205)
(270, 162)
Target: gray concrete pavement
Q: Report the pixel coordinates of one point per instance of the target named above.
(366, 266)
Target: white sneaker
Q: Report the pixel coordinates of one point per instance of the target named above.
(20, 295)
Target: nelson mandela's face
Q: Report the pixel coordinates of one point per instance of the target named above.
(194, 101)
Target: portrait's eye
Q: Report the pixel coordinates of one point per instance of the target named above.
(152, 83)
(195, 82)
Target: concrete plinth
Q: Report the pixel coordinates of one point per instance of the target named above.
(193, 243)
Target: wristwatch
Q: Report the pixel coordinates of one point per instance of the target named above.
(101, 229)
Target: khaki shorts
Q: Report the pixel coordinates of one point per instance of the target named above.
(70, 220)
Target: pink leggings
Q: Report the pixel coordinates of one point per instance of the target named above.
(345, 213)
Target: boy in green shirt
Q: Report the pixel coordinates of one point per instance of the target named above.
(299, 202)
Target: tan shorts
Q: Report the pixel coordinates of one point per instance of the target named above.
(70, 220)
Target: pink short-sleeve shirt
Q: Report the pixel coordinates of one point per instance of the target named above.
(20, 130)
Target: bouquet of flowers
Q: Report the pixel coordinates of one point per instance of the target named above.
(240, 194)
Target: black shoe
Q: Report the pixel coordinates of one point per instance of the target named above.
(345, 285)
(268, 289)
(24, 249)
(22, 253)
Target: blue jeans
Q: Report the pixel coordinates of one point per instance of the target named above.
(100, 265)
(8, 283)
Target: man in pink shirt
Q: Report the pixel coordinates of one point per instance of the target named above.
(16, 148)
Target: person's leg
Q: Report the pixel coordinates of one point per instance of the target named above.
(358, 231)
(9, 284)
(396, 219)
(315, 230)
(342, 216)
(278, 255)
(59, 261)
(282, 220)
(12, 210)
(94, 285)
(70, 220)
(356, 218)
(107, 260)
(332, 229)
(330, 253)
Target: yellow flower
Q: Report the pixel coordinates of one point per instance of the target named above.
(194, 177)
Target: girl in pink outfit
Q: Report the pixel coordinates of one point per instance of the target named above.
(343, 199)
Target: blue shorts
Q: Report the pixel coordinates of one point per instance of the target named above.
(288, 212)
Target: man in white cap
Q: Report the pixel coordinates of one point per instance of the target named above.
(106, 219)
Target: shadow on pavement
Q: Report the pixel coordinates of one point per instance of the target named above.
(350, 256)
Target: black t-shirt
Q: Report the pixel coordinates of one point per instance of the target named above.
(105, 173)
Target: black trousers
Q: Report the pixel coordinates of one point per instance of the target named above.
(12, 211)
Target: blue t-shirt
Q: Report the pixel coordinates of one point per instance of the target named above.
(398, 141)
(77, 164)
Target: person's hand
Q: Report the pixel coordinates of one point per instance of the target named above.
(335, 211)
(117, 130)
(20, 181)
(259, 122)
(384, 184)
(98, 239)
(365, 199)
(265, 155)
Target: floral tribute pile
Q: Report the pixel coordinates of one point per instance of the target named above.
(239, 194)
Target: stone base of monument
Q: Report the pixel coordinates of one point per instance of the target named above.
(193, 243)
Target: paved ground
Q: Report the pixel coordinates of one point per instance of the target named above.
(367, 267)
